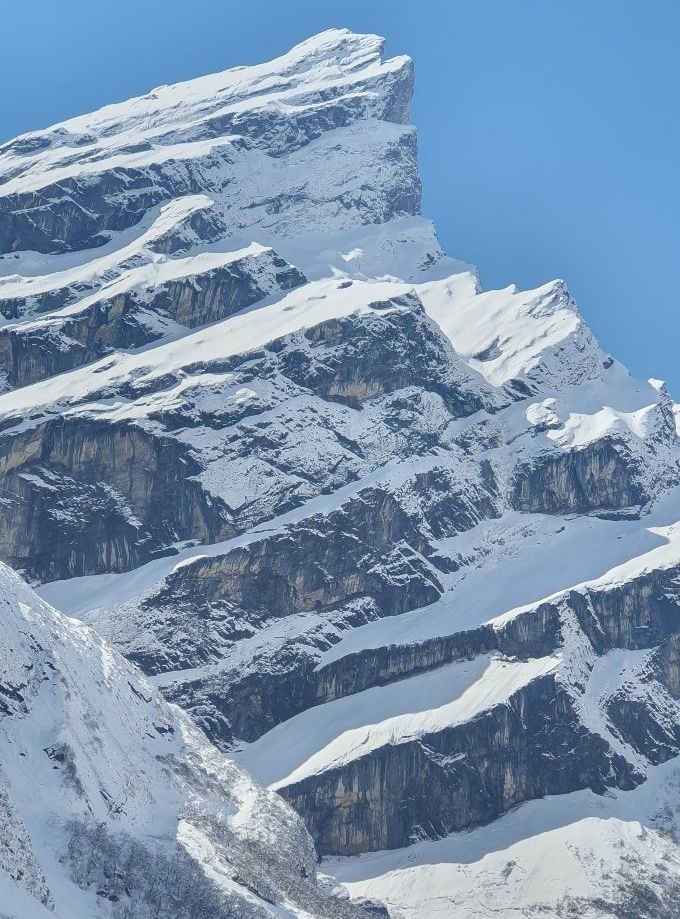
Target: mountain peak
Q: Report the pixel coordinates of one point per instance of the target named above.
(334, 65)
(215, 134)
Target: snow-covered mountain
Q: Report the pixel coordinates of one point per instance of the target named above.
(407, 550)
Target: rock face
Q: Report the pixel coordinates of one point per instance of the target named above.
(601, 476)
(406, 549)
(89, 498)
(458, 777)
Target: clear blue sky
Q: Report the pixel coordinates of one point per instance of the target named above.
(549, 131)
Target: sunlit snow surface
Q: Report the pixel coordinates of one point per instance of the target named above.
(88, 742)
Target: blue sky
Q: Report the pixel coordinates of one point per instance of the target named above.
(549, 132)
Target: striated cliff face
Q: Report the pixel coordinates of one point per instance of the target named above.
(405, 549)
(139, 309)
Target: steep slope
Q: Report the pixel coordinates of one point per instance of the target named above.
(405, 549)
(115, 805)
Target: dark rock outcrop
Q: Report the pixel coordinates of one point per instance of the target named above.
(81, 498)
(459, 777)
(598, 478)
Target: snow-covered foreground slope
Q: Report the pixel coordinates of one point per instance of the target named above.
(405, 549)
(114, 804)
